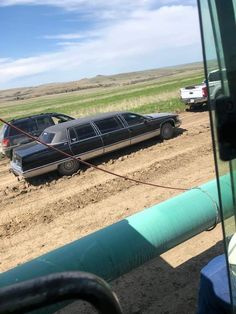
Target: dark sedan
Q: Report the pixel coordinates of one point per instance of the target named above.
(87, 138)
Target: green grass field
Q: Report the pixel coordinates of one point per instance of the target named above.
(159, 95)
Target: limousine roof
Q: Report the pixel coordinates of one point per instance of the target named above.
(65, 125)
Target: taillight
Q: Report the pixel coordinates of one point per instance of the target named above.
(6, 142)
(204, 91)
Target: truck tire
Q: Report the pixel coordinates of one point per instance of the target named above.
(68, 167)
(196, 107)
(167, 131)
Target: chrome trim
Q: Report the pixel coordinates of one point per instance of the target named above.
(17, 170)
(121, 121)
(117, 145)
(96, 128)
(52, 166)
(143, 137)
(110, 131)
(49, 144)
(91, 154)
(81, 141)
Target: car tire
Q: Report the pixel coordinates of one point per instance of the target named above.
(68, 167)
(167, 131)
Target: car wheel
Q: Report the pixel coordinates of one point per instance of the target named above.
(68, 168)
(167, 131)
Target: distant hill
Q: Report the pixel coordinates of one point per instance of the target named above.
(97, 82)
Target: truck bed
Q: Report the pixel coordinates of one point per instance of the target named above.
(194, 95)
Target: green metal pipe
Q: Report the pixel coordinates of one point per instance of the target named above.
(127, 244)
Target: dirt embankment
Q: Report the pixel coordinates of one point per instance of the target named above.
(49, 212)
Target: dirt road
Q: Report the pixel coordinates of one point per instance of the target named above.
(49, 212)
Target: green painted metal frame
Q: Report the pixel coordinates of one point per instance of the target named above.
(129, 243)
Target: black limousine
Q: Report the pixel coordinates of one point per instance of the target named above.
(87, 138)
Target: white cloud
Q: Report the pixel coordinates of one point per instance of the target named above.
(179, 2)
(95, 9)
(147, 39)
(78, 4)
(101, 9)
(4, 60)
(66, 36)
(98, 3)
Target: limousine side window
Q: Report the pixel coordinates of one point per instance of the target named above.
(47, 137)
(108, 125)
(81, 132)
(132, 118)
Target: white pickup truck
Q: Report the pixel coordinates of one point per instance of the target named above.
(196, 96)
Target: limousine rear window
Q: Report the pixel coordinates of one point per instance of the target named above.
(47, 137)
(108, 125)
(81, 132)
(132, 118)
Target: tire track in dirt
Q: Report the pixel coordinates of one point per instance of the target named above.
(10, 183)
(189, 120)
(25, 205)
(98, 192)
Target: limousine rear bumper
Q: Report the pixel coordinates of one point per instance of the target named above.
(17, 170)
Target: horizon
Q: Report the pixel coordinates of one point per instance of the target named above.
(103, 75)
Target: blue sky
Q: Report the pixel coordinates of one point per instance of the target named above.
(47, 41)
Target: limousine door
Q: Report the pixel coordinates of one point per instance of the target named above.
(140, 129)
(85, 142)
(113, 133)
